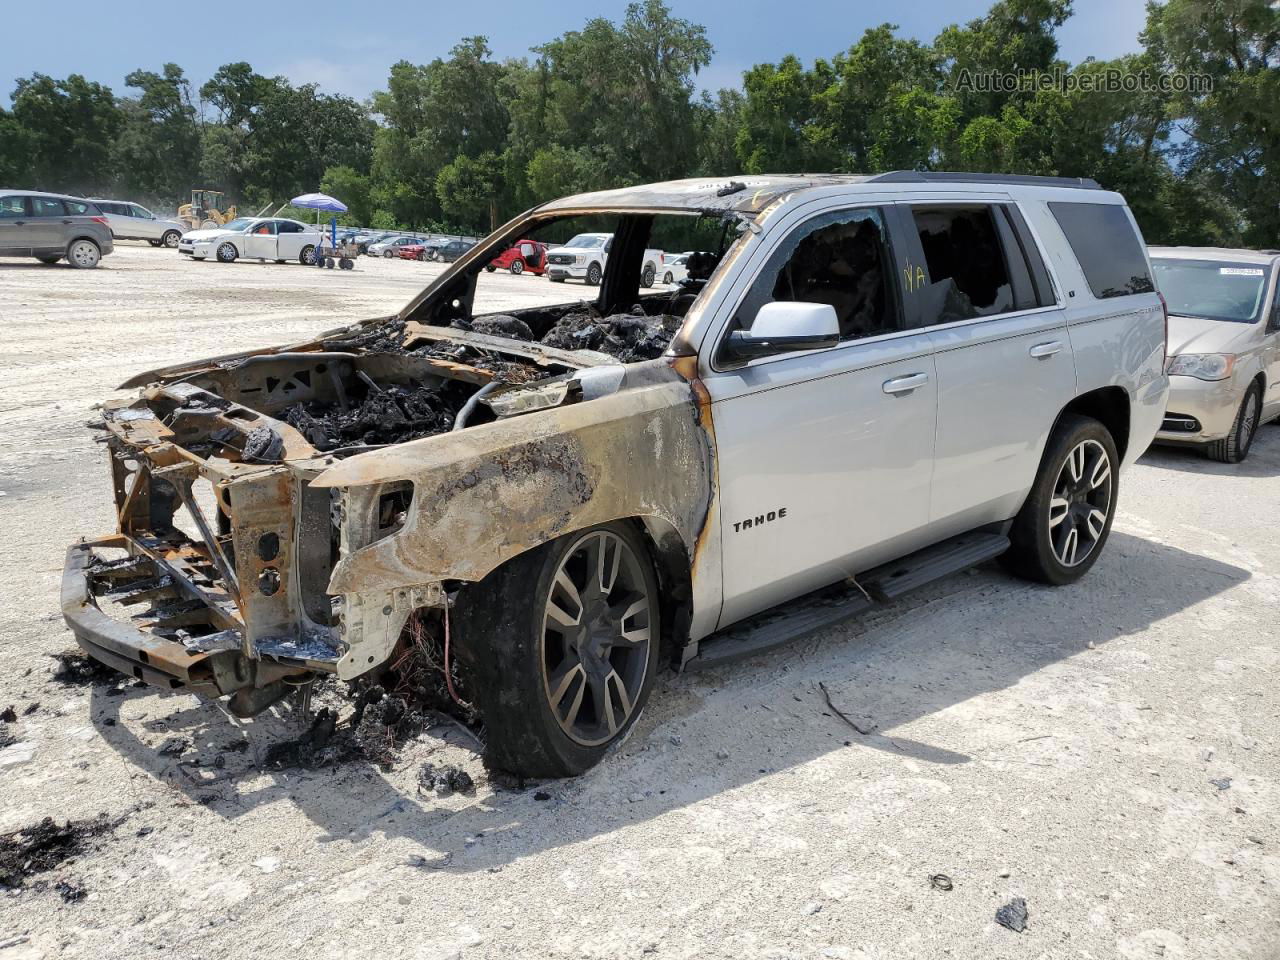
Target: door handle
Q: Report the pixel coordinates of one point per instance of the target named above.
(1048, 349)
(68, 221)
(905, 384)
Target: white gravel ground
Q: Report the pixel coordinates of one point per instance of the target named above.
(1057, 745)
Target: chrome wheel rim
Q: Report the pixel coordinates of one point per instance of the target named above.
(1081, 503)
(226, 253)
(596, 638)
(517, 266)
(84, 253)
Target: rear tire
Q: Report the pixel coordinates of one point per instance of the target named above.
(1234, 447)
(306, 256)
(647, 277)
(517, 267)
(83, 254)
(559, 659)
(667, 278)
(1062, 528)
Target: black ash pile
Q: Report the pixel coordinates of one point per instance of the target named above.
(630, 337)
(45, 846)
(390, 414)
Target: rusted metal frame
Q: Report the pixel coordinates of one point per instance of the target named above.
(168, 556)
(181, 481)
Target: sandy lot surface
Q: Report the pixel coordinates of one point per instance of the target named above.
(1058, 745)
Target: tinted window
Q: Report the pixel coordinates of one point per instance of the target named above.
(45, 207)
(12, 208)
(1108, 248)
(968, 270)
(287, 227)
(79, 209)
(265, 229)
(839, 258)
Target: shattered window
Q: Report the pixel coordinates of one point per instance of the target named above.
(839, 258)
(968, 275)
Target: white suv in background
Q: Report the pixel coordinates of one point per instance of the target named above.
(132, 221)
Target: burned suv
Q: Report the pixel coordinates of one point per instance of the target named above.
(870, 382)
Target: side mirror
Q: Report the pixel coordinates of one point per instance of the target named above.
(784, 327)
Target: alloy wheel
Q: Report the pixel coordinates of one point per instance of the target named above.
(596, 637)
(1081, 503)
(1248, 422)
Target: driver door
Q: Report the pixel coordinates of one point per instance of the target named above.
(261, 241)
(825, 457)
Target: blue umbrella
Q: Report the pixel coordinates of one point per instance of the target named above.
(322, 201)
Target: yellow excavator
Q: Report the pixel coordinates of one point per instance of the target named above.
(206, 209)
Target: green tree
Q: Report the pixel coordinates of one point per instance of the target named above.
(69, 128)
(158, 149)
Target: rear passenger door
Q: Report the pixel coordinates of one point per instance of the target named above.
(824, 457)
(1004, 363)
(48, 225)
(15, 217)
(290, 239)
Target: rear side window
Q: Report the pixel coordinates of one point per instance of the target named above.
(287, 227)
(78, 209)
(1107, 247)
(968, 267)
(12, 207)
(46, 207)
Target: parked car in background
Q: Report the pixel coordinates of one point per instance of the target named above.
(413, 251)
(910, 373)
(525, 256)
(391, 247)
(450, 250)
(52, 227)
(365, 240)
(132, 221)
(254, 238)
(1224, 346)
(585, 257)
(674, 267)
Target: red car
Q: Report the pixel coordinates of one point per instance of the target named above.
(527, 255)
(413, 251)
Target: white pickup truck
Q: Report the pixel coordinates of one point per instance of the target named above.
(584, 258)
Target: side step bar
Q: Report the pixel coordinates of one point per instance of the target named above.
(824, 608)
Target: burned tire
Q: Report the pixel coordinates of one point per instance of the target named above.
(1234, 447)
(1060, 531)
(594, 273)
(559, 649)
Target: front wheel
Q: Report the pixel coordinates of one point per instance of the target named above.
(171, 238)
(83, 254)
(647, 277)
(227, 253)
(594, 273)
(306, 256)
(517, 267)
(1234, 447)
(560, 647)
(388, 254)
(1061, 529)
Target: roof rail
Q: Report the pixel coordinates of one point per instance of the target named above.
(918, 176)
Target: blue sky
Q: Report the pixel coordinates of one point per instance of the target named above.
(348, 47)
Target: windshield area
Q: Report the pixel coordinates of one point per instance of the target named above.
(586, 241)
(239, 223)
(1212, 289)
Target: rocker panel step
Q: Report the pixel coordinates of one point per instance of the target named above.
(798, 618)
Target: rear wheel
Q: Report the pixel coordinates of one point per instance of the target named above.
(1062, 528)
(83, 254)
(517, 267)
(594, 273)
(171, 238)
(667, 278)
(648, 276)
(306, 255)
(560, 647)
(227, 253)
(1234, 447)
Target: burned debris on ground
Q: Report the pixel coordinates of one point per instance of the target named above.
(45, 846)
(74, 669)
(444, 780)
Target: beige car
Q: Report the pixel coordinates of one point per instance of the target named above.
(1224, 346)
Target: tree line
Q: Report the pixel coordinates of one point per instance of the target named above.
(466, 141)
